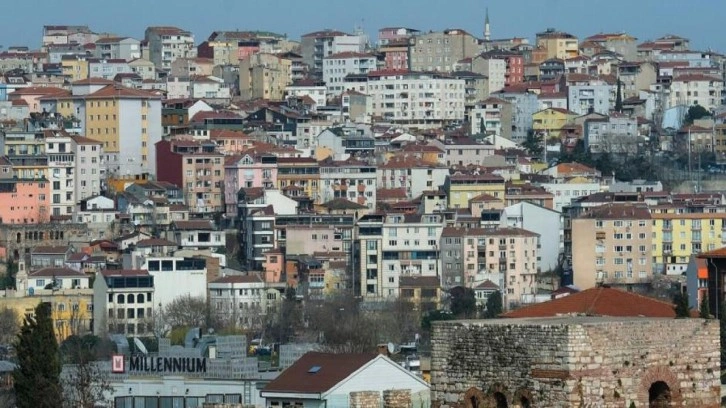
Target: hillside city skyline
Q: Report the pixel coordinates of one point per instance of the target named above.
(567, 15)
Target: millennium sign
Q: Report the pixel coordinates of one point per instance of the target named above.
(145, 364)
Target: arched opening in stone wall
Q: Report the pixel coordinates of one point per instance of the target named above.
(659, 395)
(500, 399)
(524, 402)
(474, 402)
(474, 398)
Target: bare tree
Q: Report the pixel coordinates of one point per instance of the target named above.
(85, 382)
(188, 311)
(9, 325)
(157, 322)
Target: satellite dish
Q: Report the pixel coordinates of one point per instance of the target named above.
(391, 348)
(140, 346)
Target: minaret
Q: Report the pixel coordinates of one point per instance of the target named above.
(487, 34)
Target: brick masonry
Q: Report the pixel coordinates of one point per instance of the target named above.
(397, 399)
(365, 399)
(574, 362)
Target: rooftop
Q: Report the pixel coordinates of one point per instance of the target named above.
(318, 372)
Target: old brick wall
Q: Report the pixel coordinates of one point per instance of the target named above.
(574, 361)
(397, 399)
(365, 399)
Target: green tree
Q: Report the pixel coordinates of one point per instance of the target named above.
(494, 305)
(463, 302)
(482, 127)
(433, 316)
(695, 112)
(37, 377)
(681, 305)
(533, 144)
(619, 97)
(704, 311)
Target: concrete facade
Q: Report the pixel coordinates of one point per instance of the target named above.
(575, 362)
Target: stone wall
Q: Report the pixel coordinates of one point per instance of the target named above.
(574, 362)
(365, 399)
(19, 239)
(397, 399)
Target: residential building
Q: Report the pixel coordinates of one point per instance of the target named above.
(396, 245)
(31, 96)
(441, 50)
(524, 105)
(460, 188)
(413, 174)
(551, 69)
(45, 256)
(123, 302)
(326, 379)
(307, 87)
(395, 54)
(298, 177)
(210, 88)
(112, 48)
(557, 44)
(143, 68)
(243, 300)
(166, 44)
(697, 89)
(197, 235)
(67, 34)
(549, 122)
(23, 199)
(56, 278)
(464, 151)
(494, 69)
(492, 116)
(416, 99)
(613, 134)
(317, 45)
(337, 66)
(592, 96)
(264, 76)
(174, 276)
(351, 179)
(513, 64)
(620, 43)
(621, 236)
(127, 122)
(346, 141)
(192, 67)
(63, 176)
(636, 76)
(250, 170)
(545, 222)
(197, 167)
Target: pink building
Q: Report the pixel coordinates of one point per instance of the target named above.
(273, 266)
(31, 96)
(22, 201)
(388, 34)
(247, 171)
(393, 44)
(245, 48)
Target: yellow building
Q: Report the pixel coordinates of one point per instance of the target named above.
(71, 309)
(298, 177)
(558, 44)
(127, 121)
(423, 291)
(550, 121)
(462, 188)
(74, 68)
(264, 76)
(678, 234)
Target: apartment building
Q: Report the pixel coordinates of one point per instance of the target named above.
(636, 76)
(88, 155)
(337, 66)
(524, 105)
(411, 173)
(545, 222)
(621, 237)
(250, 170)
(306, 87)
(494, 69)
(415, 98)
(614, 134)
(513, 64)
(621, 43)
(125, 48)
(557, 44)
(197, 235)
(243, 300)
(461, 188)
(123, 302)
(397, 245)
(174, 276)
(492, 116)
(549, 122)
(22, 200)
(195, 166)
(299, 177)
(264, 76)
(127, 122)
(697, 89)
(465, 151)
(67, 34)
(317, 45)
(63, 175)
(351, 179)
(166, 44)
(441, 50)
(593, 96)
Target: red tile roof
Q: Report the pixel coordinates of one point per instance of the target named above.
(56, 272)
(331, 370)
(124, 272)
(599, 301)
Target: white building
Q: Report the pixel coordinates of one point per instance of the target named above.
(337, 66)
(243, 299)
(542, 221)
(209, 87)
(197, 234)
(317, 45)
(62, 172)
(584, 98)
(123, 302)
(344, 374)
(417, 99)
(314, 90)
(614, 134)
(108, 68)
(567, 191)
(494, 69)
(169, 43)
(125, 48)
(56, 278)
(396, 245)
(88, 153)
(411, 173)
(173, 276)
(351, 179)
(697, 89)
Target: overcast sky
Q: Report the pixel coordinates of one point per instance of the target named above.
(699, 20)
